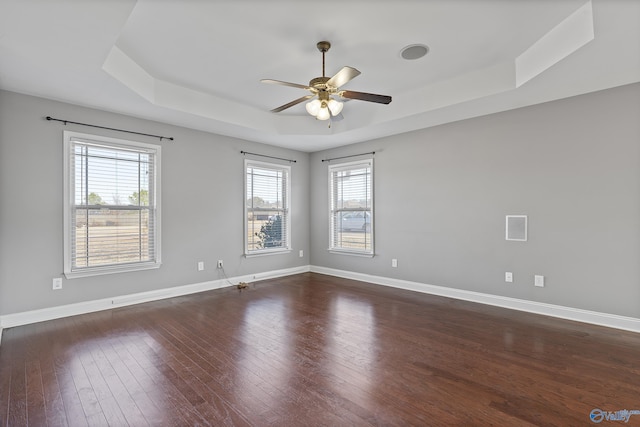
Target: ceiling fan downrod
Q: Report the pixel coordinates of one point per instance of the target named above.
(323, 47)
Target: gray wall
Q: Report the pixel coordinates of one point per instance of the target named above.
(441, 196)
(202, 206)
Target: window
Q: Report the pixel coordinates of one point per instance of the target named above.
(351, 207)
(267, 216)
(112, 206)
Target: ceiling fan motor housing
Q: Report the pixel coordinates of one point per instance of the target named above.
(320, 84)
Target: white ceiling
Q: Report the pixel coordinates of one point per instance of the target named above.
(198, 63)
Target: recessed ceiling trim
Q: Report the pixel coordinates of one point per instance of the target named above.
(165, 94)
(567, 37)
(128, 72)
(457, 90)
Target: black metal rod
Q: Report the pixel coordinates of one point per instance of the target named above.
(271, 157)
(346, 157)
(108, 128)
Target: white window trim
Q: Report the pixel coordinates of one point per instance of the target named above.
(69, 200)
(270, 251)
(347, 166)
(361, 254)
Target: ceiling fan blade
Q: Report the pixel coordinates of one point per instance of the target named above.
(291, 104)
(343, 76)
(363, 96)
(278, 82)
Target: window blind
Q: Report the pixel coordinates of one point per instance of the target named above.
(112, 212)
(351, 207)
(266, 207)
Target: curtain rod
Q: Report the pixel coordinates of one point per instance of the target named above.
(271, 157)
(108, 128)
(346, 157)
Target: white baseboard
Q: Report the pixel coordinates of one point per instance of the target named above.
(602, 319)
(33, 316)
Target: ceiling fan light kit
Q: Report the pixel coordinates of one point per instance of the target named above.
(323, 114)
(313, 107)
(323, 109)
(324, 89)
(335, 106)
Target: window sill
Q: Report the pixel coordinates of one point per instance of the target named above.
(267, 252)
(98, 271)
(352, 253)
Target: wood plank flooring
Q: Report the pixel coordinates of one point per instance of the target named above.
(310, 350)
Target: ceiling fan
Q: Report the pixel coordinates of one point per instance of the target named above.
(324, 89)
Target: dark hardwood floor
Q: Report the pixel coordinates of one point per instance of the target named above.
(315, 350)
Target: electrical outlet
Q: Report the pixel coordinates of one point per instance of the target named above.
(394, 263)
(57, 283)
(220, 263)
(538, 281)
(301, 253)
(200, 265)
(508, 277)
